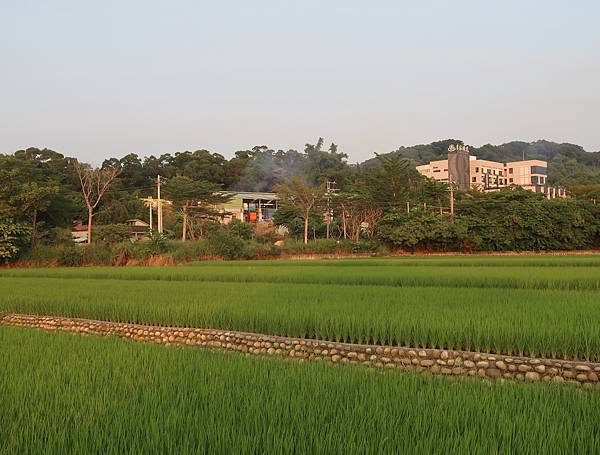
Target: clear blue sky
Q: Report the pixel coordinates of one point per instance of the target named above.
(106, 78)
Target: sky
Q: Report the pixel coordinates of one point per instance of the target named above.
(108, 78)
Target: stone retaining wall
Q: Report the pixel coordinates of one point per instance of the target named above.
(433, 361)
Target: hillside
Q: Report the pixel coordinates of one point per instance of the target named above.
(568, 164)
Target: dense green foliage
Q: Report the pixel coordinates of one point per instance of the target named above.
(69, 394)
(382, 200)
(13, 237)
(509, 220)
(542, 306)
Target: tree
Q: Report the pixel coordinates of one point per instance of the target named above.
(13, 236)
(94, 183)
(26, 191)
(302, 198)
(34, 198)
(196, 198)
(322, 165)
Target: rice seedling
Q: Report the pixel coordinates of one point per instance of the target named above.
(514, 321)
(388, 272)
(68, 394)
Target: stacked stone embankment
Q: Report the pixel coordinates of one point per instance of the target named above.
(432, 361)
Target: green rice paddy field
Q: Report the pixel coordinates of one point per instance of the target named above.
(541, 306)
(61, 393)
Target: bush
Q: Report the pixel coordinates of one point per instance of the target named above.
(14, 238)
(267, 236)
(225, 244)
(264, 250)
(421, 230)
(124, 251)
(58, 236)
(71, 256)
(112, 233)
(97, 254)
(245, 231)
(190, 251)
(42, 254)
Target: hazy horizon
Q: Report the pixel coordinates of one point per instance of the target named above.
(101, 80)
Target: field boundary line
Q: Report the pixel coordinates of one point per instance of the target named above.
(536, 286)
(428, 361)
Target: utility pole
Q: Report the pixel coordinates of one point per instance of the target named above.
(159, 211)
(451, 200)
(150, 206)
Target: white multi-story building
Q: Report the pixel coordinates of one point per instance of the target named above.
(487, 175)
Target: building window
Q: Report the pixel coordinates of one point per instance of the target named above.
(510, 170)
(474, 179)
(476, 169)
(534, 179)
(510, 180)
(538, 170)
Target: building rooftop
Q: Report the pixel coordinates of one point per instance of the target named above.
(252, 195)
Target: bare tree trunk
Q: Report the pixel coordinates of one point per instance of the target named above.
(89, 232)
(306, 229)
(94, 183)
(34, 229)
(191, 226)
(184, 229)
(344, 224)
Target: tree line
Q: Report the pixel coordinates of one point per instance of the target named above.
(322, 195)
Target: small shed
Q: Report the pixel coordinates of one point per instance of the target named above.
(139, 229)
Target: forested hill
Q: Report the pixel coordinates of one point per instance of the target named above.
(568, 164)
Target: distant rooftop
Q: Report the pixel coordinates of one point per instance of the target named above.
(252, 195)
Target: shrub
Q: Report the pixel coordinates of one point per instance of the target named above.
(423, 231)
(245, 231)
(225, 244)
(189, 251)
(267, 234)
(97, 254)
(124, 251)
(14, 238)
(71, 256)
(58, 236)
(112, 233)
(42, 254)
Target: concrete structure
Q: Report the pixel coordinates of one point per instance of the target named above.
(491, 175)
(250, 207)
